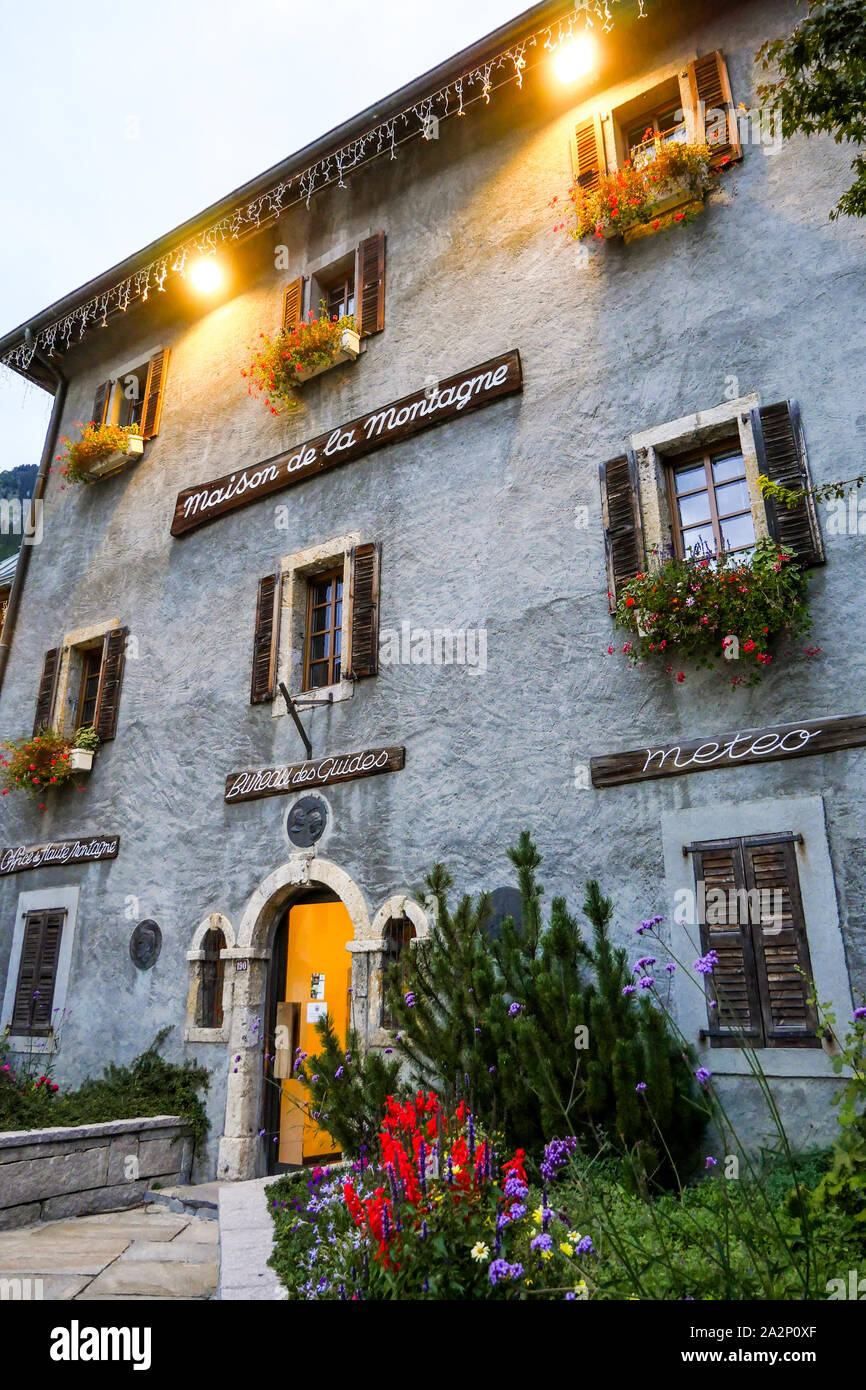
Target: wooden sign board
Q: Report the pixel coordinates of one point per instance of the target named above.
(19, 857)
(345, 767)
(458, 395)
(801, 740)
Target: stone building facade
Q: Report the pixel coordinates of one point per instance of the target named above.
(488, 525)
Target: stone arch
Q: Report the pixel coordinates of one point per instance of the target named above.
(239, 1146)
(401, 905)
(215, 922)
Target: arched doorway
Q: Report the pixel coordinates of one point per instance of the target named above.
(297, 882)
(310, 976)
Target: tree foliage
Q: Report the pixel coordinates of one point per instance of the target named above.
(820, 84)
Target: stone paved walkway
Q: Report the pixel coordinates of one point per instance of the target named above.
(147, 1252)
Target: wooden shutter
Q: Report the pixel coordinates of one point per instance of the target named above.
(781, 455)
(100, 404)
(710, 91)
(266, 639)
(110, 681)
(47, 688)
(37, 972)
(780, 944)
(293, 304)
(587, 153)
(364, 611)
(623, 533)
(153, 394)
(370, 285)
(733, 984)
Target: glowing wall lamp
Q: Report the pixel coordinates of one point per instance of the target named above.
(206, 275)
(575, 57)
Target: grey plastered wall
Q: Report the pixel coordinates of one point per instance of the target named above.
(477, 525)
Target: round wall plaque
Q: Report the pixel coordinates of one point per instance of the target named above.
(145, 945)
(307, 821)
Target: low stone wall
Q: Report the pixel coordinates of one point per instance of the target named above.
(49, 1174)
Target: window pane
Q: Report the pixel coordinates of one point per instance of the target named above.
(694, 510)
(338, 641)
(336, 670)
(322, 592)
(733, 497)
(320, 620)
(320, 646)
(727, 467)
(338, 617)
(738, 531)
(690, 479)
(699, 540)
(318, 675)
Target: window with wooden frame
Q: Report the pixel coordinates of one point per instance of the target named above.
(135, 396)
(705, 498)
(710, 503)
(210, 999)
(395, 964)
(331, 622)
(692, 105)
(352, 284)
(323, 644)
(750, 913)
(32, 1010)
(92, 675)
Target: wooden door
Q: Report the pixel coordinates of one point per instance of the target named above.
(318, 977)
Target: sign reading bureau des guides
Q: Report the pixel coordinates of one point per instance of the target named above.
(344, 767)
(17, 857)
(457, 395)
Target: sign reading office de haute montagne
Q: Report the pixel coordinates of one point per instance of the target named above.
(457, 395)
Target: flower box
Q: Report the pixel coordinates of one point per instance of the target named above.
(80, 759)
(680, 200)
(112, 463)
(348, 351)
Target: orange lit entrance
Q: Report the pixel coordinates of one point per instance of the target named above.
(311, 976)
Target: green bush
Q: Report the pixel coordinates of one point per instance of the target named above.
(148, 1086)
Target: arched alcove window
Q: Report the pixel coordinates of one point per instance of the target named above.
(210, 999)
(398, 932)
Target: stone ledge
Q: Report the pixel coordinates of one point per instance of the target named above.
(62, 1133)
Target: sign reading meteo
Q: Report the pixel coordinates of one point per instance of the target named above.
(801, 740)
(458, 395)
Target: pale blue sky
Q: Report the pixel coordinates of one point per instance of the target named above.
(124, 120)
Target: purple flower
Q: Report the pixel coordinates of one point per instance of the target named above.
(644, 961)
(647, 982)
(410, 999)
(712, 1162)
(703, 1075)
(491, 1070)
(338, 1073)
(585, 1246)
(705, 965)
(514, 1187)
(517, 1211)
(670, 967)
(501, 1269)
(514, 1009)
(541, 1242)
(629, 989)
(860, 1013)
(640, 1087)
(556, 1155)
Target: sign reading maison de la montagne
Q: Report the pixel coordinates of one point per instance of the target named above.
(801, 740)
(344, 767)
(17, 857)
(458, 395)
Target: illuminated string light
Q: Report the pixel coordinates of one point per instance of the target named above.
(417, 121)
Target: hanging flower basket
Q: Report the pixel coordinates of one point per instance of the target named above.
(278, 366)
(667, 187)
(36, 764)
(711, 611)
(101, 451)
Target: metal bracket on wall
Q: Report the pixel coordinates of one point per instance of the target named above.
(292, 708)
